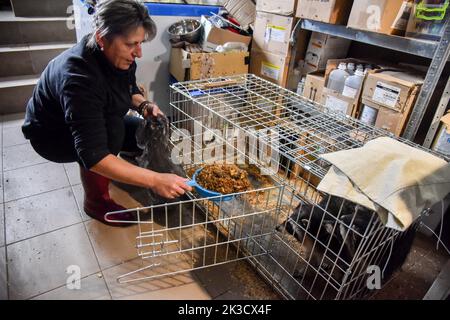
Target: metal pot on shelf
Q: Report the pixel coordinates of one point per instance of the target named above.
(188, 30)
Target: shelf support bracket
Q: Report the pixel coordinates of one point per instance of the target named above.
(443, 103)
(440, 58)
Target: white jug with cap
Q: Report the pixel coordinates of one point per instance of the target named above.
(337, 78)
(353, 83)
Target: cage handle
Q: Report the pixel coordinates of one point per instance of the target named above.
(219, 84)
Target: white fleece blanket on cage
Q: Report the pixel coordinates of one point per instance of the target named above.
(395, 180)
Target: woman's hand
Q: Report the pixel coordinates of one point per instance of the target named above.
(169, 185)
(151, 109)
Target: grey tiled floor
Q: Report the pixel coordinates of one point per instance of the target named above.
(38, 214)
(3, 274)
(44, 233)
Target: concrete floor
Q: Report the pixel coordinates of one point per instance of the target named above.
(44, 231)
(417, 274)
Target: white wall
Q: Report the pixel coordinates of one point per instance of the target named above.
(153, 67)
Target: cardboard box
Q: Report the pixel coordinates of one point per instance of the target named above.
(314, 85)
(306, 69)
(319, 61)
(323, 47)
(384, 16)
(337, 102)
(390, 120)
(441, 143)
(396, 90)
(330, 11)
(272, 67)
(308, 148)
(193, 66)
(386, 118)
(310, 179)
(213, 37)
(282, 7)
(325, 41)
(334, 64)
(393, 94)
(273, 33)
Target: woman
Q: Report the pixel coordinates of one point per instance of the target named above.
(78, 108)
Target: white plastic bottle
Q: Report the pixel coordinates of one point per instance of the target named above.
(351, 68)
(337, 78)
(353, 83)
(301, 86)
(369, 115)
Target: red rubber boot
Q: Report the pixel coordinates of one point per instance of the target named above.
(97, 201)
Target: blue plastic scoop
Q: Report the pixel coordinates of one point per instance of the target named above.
(205, 192)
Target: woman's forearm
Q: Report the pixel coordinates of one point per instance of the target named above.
(137, 99)
(167, 185)
(120, 170)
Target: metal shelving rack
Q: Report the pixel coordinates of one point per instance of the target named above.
(438, 52)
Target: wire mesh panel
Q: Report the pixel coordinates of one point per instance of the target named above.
(178, 237)
(321, 247)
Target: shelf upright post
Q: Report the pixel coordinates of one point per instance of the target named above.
(443, 103)
(440, 58)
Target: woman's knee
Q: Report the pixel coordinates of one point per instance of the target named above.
(50, 151)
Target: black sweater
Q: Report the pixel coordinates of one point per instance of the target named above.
(80, 94)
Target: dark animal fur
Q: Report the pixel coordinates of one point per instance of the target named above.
(323, 226)
(152, 136)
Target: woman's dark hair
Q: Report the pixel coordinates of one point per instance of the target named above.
(118, 17)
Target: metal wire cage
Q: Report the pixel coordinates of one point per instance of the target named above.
(188, 235)
(306, 244)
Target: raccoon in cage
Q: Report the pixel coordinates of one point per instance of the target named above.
(331, 238)
(153, 138)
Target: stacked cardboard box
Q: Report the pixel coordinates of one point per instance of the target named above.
(200, 61)
(271, 49)
(187, 65)
(321, 48)
(442, 141)
(385, 98)
(334, 100)
(329, 11)
(390, 97)
(314, 85)
(212, 37)
(282, 7)
(383, 16)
